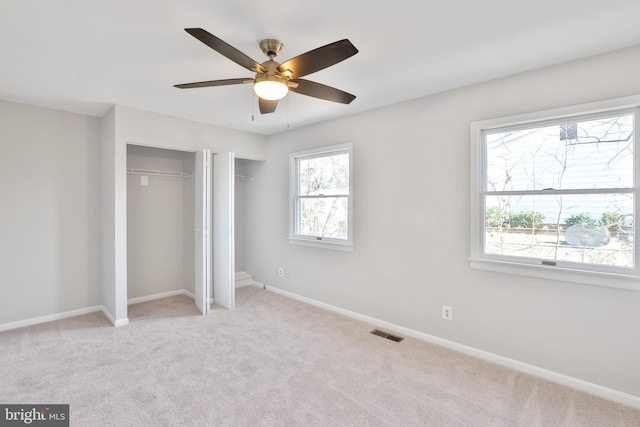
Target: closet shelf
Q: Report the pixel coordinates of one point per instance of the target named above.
(158, 173)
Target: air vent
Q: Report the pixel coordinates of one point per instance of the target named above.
(386, 335)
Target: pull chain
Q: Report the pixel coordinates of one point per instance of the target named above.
(288, 110)
(253, 106)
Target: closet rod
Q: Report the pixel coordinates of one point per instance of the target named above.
(158, 173)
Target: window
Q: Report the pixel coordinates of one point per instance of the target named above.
(554, 194)
(320, 197)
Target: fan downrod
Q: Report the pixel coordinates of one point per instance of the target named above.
(271, 47)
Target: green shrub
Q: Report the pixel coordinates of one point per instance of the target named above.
(581, 218)
(497, 217)
(527, 219)
(609, 218)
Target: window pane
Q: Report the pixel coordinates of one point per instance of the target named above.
(325, 217)
(594, 153)
(328, 175)
(591, 229)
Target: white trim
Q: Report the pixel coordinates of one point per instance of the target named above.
(49, 318)
(627, 102)
(594, 278)
(223, 268)
(79, 312)
(242, 278)
(243, 283)
(295, 239)
(322, 151)
(161, 295)
(241, 275)
(605, 276)
(556, 377)
(327, 244)
(114, 322)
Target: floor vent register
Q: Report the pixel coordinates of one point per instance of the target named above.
(386, 335)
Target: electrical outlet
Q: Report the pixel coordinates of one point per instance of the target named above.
(447, 312)
(286, 273)
(280, 272)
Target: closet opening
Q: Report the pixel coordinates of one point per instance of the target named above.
(161, 205)
(243, 192)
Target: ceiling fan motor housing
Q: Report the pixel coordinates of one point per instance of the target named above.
(271, 47)
(271, 66)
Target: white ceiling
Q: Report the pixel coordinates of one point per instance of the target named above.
(86, 55)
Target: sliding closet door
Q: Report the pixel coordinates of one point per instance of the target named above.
(202, 230)
(223, 230)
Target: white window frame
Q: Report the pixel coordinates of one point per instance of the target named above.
(628, 278)
(326, 243)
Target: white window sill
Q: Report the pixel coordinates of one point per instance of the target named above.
(324, 244)
(605, 279)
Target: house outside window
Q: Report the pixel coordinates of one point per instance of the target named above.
(321, 197)
(555, 194)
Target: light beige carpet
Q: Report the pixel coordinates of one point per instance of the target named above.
(272, 362)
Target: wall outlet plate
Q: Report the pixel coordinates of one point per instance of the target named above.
(447, 312)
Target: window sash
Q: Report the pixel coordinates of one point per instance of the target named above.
(323, 190)
(550, 239)
(536, 173)
(296, 233)
(595, 274)
(299, 201)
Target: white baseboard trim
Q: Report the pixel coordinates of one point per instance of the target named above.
(121, 322)
(114, 322)
(244, 282)
(556, 377)
(49, 318)
(81, 311)
(242, 278)
(160, 295)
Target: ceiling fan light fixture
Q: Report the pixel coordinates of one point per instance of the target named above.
(273, 80)
(271, 88)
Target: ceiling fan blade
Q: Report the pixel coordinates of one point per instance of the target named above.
(318, 90)
(267, 106)
(213, 83)
(225, 49)
(318, 59)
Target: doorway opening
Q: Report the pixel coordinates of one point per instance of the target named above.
(161, 204)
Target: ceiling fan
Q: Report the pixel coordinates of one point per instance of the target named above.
(273, 80)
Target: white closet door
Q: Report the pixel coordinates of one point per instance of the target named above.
(223, 230)
(202, 231)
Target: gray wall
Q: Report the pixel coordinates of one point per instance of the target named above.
(63, 234)
(411, 220)
(411, 230)
(108, 199)
(188, 223)
(243, 168)
(50, 212)
(160, 217)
